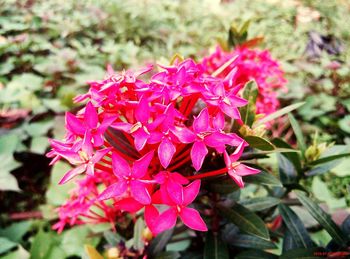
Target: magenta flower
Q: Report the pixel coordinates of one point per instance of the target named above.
(236, 169)
(129, 179)
(167, 219)
(90, 124)
(84, 159)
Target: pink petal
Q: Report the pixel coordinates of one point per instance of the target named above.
(191, 218)
(179, 178)
(230, 111)
(227, 160)
(175, 191)
(198, 153)
(166, 150)
(237, 101)
(140, 166)
(201, 123)
(238, 152)
(98, 139)
(90, 116)
(71, 156)
(107, 121)
(123, 126)
(120, 166)
(72, 173)
(140, 192)
(142, 111)
(140, 138)
(219, 121)
(184, 134)
(129, 204)
(113, 190)
(151, 216)
(74, 124)
(166, 220)
(236, 178)
(99, 154)
(191, 191)
(90, 169)
(243, 170)
(87, 144)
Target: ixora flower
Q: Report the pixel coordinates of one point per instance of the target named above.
(145, 144)
(251, 64)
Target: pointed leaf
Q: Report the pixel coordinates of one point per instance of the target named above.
(260, 203)
(298, 133)
(322, 218)
(263, 178)
(248, 241)
(295, 227)
(255, 254)
(214, 247)
(259, 143)
(246, 220)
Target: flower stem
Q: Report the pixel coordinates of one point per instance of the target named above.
(208, 174)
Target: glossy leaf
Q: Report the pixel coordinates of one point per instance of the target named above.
(255, 254)
(295, 227)
(248, 111)
(214, 247)
(322, 218)
(263, 178)
(298, 133)
(260, 203)
(287, 171)
(259, 143)
(246, 220)
(248, 241)
(293, 157)
(159, 242)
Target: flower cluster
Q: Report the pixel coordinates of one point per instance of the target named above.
(251, 64)
(144, 144)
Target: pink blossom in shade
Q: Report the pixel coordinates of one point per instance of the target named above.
(84, 160)
(251, 64)
(236, 169)
(130, 179)
(159, 222)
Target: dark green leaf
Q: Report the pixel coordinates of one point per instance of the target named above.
(113, 239)
(214, 247)
(295, 227)
(322, 218)
(224, 187)
(248, 241)
(168, 255)
(255, 254)
(288, 241)
(260, 203)
(328, 159)
(301, 253)
(246, 220)
(280, 113)
(259, 143)
(298, 133)
(263, 178)
(291, 156)
(159, 242)
(287, 171)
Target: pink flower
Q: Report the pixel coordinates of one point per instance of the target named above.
(90, 124)
(129, 179)
(159, 222)
(236, 169)
(84, 159)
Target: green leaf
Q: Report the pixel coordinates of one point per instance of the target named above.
(250, 93)
(159, 242)
(138, 229)
(246, 220)
(16, 231)
(6, 244)
(224, 187)
(41, 245)
(260, 203)
(322, 218)
(263, 178)
(259, 143)
(214, 247)
(248, 241)
(321, 191)
(255, 254)
(295, 227)
(74, 239)
(279, 113)
(328, 159)
(291, 156)
(168, 255)
(344, 124)
(301, 253)
(20, 253)
(286, 169)
(298, 133)
(112, 238)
